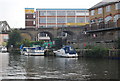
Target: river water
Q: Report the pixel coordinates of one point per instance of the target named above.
(16, 66)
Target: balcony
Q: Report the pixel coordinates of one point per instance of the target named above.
(102, 27)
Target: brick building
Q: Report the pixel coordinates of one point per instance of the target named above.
(104, 28)
(105, 12)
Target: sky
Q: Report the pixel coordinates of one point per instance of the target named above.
(13, 11)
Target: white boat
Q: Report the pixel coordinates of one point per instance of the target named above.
(23, 50)
(32, 51)
(3, 49)
(66, 51)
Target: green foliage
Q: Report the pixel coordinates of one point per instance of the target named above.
(96, 52)
(26, 42)
(14, 38)
(118, 43)
(89, 47)
(37, 42)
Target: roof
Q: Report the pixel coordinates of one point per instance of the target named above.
(61, 9)
(104, 3)
(29, 8)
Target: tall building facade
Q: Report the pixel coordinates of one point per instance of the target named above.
(42, 18)
(104, 27)
(105, 12)
(30, 18)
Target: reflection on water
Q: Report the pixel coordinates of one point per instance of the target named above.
(17, 66)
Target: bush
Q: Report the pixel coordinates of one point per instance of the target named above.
(96, 52)
(118, 43)
(89, 47)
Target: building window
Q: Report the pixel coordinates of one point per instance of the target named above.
(81, 13)
(93, 12)
(80, 20)
(117, 6)
(71, 20)
(70, 13)
(100, 10)
(100, 20)
(92, 21)
(33, 22)
(108, 18)
(116, 17)
(42, 26)
(61, 20)
(33, 15)
(61, 13)
(51, 13)
(108, 8)
(51, 20)
(43, 20)
(42, 13)
(51, 25)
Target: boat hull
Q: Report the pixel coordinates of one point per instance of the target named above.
(67, 55)
(34, 54)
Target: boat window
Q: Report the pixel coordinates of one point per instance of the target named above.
(71, 49)
(67, 50)
(24, 49)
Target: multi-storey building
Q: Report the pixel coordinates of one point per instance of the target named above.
(55, 17)
(105, 12)
(104, 26)
(30, 19)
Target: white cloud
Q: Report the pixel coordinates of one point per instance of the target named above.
(13, 10)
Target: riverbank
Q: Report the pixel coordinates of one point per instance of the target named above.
(110, 53)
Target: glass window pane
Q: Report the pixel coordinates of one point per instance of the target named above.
(80, 13)
(80, 20)
(42, 13)
(100, 10)
(70, 19)
(61, 13)
(51, 20)
(51, 13)
(70, 13)
(61, 20)
(51, 25)
(43, 20)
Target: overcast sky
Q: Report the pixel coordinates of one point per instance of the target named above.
(12, 11)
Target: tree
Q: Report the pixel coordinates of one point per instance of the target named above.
(14, 38)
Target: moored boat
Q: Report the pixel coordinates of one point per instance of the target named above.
(3, 49)
(33, 51)
(66, 51)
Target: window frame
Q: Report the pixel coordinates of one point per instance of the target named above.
(92, 12)
(100, 10)
(108, 8)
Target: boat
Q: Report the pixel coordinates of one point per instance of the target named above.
(32, 51)
(23, 50)
(3, 49)
(66, 51)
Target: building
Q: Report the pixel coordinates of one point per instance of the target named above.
(3, 39)
(4, 28)
(30, 18)
(43, 18)
(105, 11)
(104, 28)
